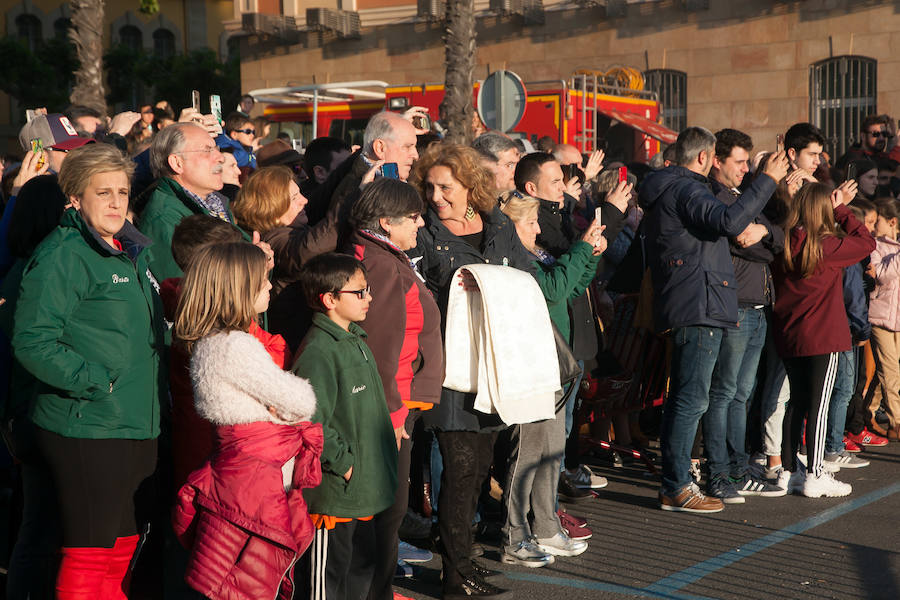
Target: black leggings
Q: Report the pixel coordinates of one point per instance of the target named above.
(467, 459)
(99, 484)
(811, 380)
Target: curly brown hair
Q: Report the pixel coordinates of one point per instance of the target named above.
(465, 166)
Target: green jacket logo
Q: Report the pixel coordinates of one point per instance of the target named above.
(117, 279)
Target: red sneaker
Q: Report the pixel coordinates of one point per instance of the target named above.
(867, 438)
(851, 446)
(574, 519)
(572, 529)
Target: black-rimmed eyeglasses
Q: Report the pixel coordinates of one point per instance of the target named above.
(361, 294)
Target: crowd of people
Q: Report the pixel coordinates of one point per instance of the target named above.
(228, 363)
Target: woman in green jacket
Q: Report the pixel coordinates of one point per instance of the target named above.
(537, 448)
(88, 327)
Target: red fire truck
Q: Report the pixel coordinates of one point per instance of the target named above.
(587, 111)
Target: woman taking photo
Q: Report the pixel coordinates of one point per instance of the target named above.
(533, 472)
(403, 326)
(88, 327)
(463, 225)
(810, 324)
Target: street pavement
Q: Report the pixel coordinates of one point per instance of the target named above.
(790, 547)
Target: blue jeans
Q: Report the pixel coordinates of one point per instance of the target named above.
(733, 381)
(844, 384)
(570, 403)
(694, 354)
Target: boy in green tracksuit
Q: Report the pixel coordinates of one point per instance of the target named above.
(359, 458)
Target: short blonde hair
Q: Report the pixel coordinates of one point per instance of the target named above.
(264, 197)
(219, 291)
(83, 163)
(518, 206)
(466, 166)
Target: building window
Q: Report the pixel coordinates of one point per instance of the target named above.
(671, 85)
(131, 36)
(842, 92)
(163, 43)
(61, 28)
(28, 28)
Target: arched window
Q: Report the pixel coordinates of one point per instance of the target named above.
(842, 92)
(671, 85)
(163, 43)
(61, 28)
(28, 28)
(131, 36)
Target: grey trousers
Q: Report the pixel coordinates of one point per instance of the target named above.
(532, 479)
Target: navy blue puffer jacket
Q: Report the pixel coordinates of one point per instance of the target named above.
(687, 230)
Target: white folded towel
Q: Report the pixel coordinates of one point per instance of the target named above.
(499, 343)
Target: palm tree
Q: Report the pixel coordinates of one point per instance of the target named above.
(459, 43)
(86, 34)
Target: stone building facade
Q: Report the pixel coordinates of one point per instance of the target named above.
(748, 64)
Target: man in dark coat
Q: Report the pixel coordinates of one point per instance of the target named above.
(695, 292)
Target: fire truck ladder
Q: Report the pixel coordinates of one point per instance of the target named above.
(587, 83)
(617, 81)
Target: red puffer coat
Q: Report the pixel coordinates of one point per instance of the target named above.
(244, 531)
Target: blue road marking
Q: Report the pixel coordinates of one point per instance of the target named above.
(688, 576)
(669, 587)
(599, 586)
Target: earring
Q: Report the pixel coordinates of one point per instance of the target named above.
(470, 212)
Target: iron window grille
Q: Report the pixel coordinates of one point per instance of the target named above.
(842, 92)
(671, 85)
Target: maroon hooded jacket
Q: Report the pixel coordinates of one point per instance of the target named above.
(809, 315)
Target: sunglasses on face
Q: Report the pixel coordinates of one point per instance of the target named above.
(877, 134)
(247, 131)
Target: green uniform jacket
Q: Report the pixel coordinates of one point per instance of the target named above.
(89, 328)
(566, 279)
(168, 205)
(351, 407)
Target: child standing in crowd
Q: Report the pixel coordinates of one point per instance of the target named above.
(359, 460)
(242, 513)
(884, 311)
(810, 323)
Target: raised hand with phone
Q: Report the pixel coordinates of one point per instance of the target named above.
(621, 194)
(593, 235)
(33, 164)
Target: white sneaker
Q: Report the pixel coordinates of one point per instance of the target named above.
(527, 554)
(561, 545)
(585, 479)
(825, 485)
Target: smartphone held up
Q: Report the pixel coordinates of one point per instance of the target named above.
(390, 170)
